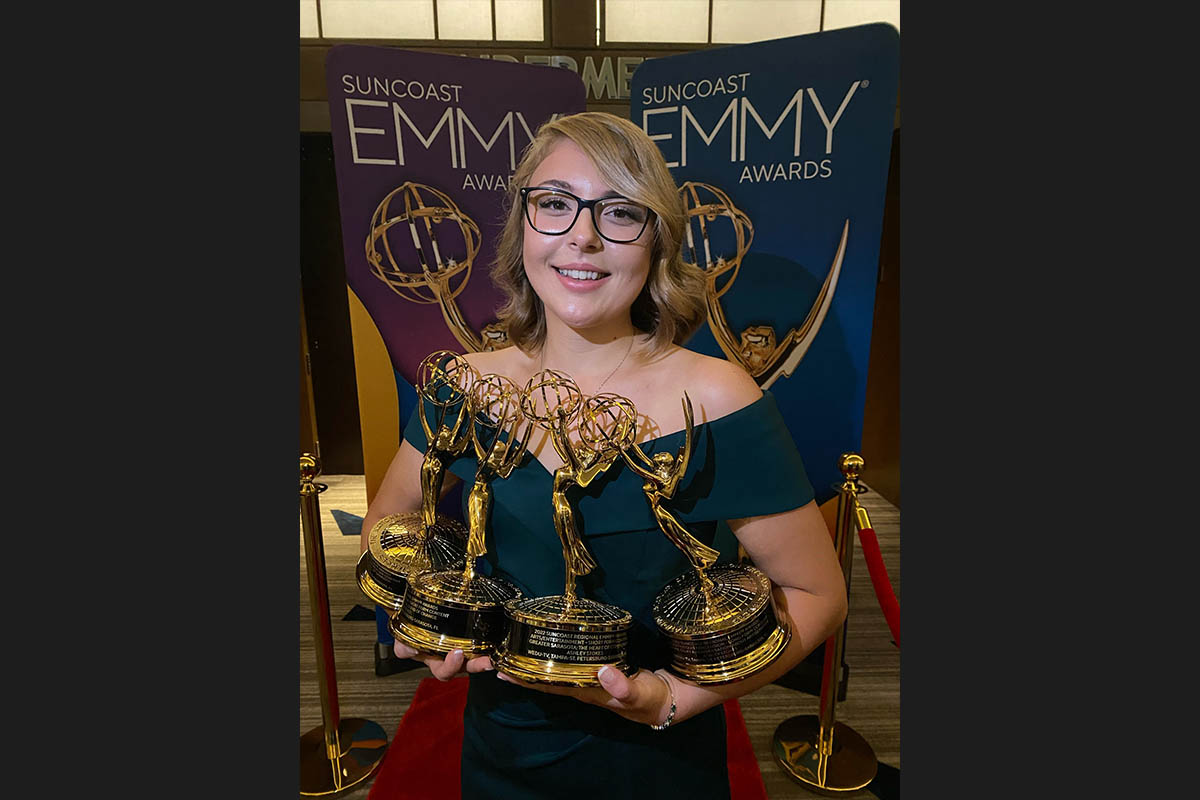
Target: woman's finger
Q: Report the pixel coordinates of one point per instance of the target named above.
(449, 667)
(644, 697)
(618, 684)
(433, 662)
(480, 664)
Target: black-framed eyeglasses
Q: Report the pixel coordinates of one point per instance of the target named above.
(554, 211)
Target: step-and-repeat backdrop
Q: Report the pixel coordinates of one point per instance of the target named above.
(780, 149)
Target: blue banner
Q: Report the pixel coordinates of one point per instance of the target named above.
(781, 150)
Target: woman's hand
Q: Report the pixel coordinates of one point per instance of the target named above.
(642, 698)
(445, 668)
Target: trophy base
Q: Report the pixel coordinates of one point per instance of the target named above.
(441, 613)
(555, 673)
(398, 548)
(564, 644)
(362, 744)
(849, 767)
(725, 634)
(738, 668)
(390, 596)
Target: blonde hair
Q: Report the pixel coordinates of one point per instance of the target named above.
(671, 305)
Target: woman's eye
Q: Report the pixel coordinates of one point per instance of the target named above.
(553, 204)
(626, 214)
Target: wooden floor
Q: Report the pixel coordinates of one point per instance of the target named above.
(871, 707)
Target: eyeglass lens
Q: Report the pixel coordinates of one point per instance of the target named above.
(616, 218)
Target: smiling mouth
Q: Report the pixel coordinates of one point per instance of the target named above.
(581, 274)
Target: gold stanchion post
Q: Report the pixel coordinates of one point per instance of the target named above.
(342, 753)
(824, 755)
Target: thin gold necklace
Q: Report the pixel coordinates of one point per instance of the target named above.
(618, 366)
(542, 362)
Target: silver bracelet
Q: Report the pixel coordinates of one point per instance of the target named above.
(671, 713)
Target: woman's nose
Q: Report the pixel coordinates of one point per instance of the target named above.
(584, 232)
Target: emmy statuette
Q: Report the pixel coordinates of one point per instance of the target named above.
(721, 621)
(401, 546)
(565, 639)
(448, 610)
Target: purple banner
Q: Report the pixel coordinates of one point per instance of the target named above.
(424, 145)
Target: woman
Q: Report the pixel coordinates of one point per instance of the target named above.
(590, 262)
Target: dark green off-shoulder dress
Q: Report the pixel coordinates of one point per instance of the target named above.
(521, 743)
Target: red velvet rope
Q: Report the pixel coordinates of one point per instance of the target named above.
(879, 579)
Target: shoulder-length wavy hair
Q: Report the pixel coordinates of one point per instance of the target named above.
(671, 305)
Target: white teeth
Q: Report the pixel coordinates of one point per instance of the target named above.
(579, 275)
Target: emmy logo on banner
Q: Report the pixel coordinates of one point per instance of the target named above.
(432, 264)
(757, 350)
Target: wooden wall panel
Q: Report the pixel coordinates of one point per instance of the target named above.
(881, 416)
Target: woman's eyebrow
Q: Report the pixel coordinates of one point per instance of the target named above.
(569, 188)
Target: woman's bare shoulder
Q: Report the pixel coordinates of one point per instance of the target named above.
(716, 386)
(508, 362)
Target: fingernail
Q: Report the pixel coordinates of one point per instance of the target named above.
(457, 653)
(603, 670)
(503, 677)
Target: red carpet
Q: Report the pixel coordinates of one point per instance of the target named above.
(423, 757)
